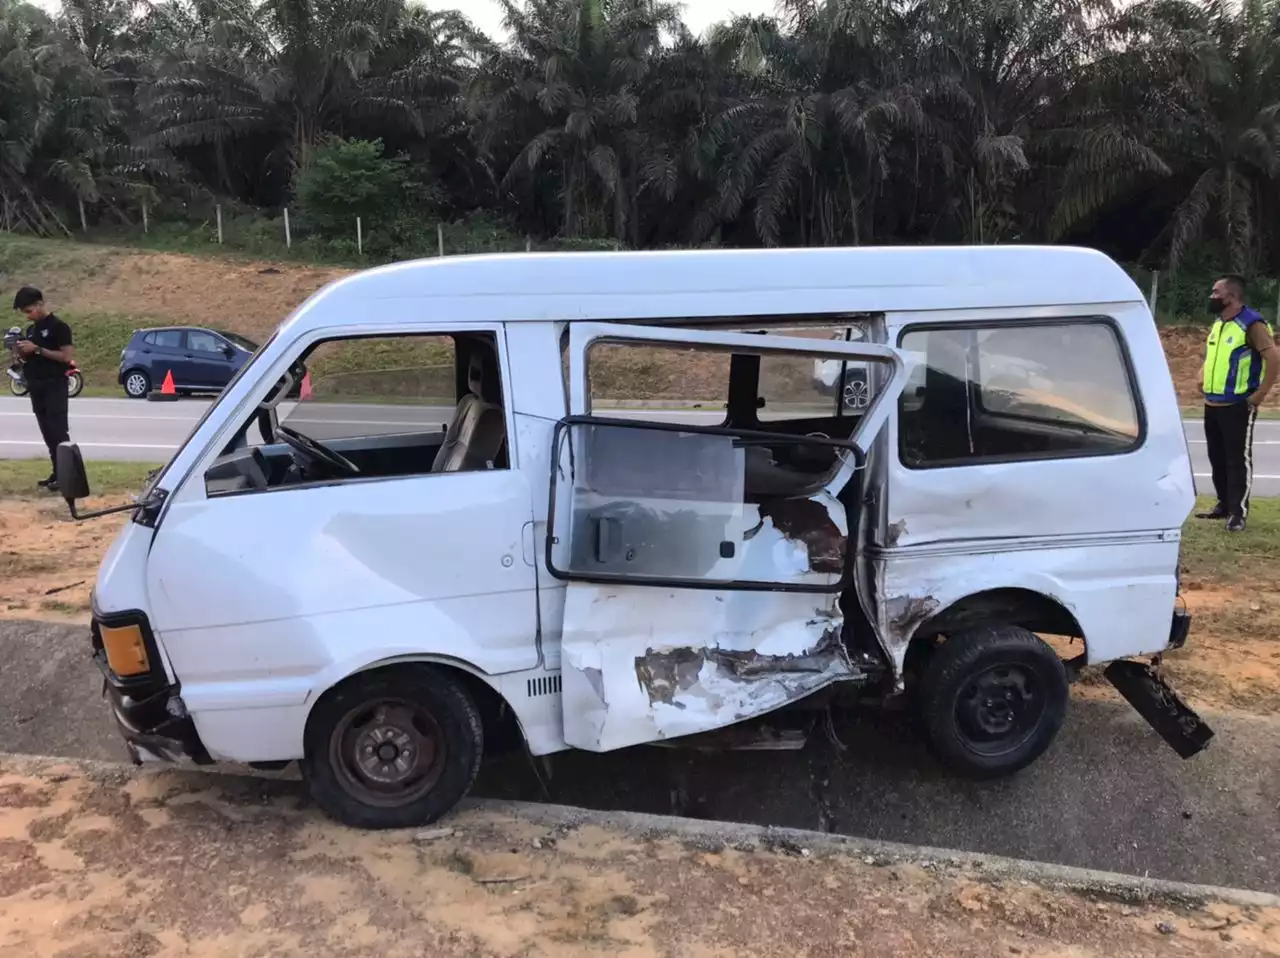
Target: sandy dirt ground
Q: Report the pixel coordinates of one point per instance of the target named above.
(98, 862)
(48, 562)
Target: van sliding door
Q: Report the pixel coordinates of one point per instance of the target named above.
(704, 562)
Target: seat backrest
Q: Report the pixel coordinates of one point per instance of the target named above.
(479, 427)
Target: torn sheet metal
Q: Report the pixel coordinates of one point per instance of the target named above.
(645, 665)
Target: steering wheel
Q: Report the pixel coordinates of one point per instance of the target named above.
(316, 455)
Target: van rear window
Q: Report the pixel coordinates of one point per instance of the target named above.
(1015, 391)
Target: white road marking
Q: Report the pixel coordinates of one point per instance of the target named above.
(1209, 475)
(92, 445)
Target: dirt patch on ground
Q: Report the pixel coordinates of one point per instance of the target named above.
(48, 562)
(99, 862)
(1184, 348)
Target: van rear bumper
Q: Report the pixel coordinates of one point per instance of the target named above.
(1146, 690)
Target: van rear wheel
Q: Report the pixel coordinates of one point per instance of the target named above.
(392, 748)
(992, 700)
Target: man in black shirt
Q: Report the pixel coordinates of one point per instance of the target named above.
(46, 353)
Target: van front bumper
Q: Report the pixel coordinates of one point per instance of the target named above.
(149, 711)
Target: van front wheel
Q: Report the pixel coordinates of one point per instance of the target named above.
(392, 748)
(992, 700)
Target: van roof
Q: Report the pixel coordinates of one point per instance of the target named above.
(766, 282)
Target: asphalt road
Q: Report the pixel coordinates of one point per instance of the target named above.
(129, 430)
(1108, 795)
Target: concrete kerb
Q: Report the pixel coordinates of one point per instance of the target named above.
(714, 836)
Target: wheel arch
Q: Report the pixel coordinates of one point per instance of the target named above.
(502, 726)
(1035, 611)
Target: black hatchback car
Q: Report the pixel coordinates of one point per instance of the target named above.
(201, 360)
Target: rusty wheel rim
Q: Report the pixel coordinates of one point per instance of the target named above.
(388, 752)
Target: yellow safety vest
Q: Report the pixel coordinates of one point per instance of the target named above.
(1232, 368)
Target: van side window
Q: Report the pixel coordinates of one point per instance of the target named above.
(374, 408)
(787, 392)
(1015, 391)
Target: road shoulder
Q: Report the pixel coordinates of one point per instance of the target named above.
(98, 859)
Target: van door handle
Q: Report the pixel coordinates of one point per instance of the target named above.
(607, 538)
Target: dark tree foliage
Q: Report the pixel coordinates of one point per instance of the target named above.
(1146, 129)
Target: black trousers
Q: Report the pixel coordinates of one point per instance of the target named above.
(49, 403)
(1228, 432)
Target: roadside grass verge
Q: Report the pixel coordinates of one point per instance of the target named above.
(18, 477)
(1210, 553)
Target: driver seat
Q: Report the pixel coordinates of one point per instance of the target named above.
(478, 431)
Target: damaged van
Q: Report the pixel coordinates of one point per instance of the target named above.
(602, 500)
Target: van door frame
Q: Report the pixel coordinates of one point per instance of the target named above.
(775, 643)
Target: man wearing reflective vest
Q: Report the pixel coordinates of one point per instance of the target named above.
(1240, 366)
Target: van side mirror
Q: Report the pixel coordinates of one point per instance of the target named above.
(73, 483)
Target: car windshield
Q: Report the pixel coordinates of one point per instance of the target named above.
(239, 340)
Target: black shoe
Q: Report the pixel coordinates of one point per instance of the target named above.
(1218, 512)
(47, 483)
(1235, 524)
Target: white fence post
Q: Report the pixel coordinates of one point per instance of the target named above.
(1155, 289)
(288, 237)
(528, 244)
(218, 211)
(359, 237)
(146, 226)
(84, 224)
(440, 238)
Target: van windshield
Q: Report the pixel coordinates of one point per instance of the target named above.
(159, 474)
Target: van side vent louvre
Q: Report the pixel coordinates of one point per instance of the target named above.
(544, 685)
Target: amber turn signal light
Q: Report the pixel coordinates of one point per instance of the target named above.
(126, 651)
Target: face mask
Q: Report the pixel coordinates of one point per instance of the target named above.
(1216, 305)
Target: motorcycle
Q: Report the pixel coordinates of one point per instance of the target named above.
(18, 382)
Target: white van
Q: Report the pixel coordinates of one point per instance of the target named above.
(522, 522)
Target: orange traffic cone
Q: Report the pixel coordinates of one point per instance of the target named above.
(167, 393)
(305, 391)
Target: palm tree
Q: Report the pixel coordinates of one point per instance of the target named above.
(57, 126)
(274, 79)
(993, 74)
(567, 92)
(1197, 84)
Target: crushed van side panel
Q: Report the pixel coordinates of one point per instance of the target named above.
(644, 665)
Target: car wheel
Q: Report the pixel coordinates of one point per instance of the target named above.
(137, 384)
(392, 748)
(857, 394)
(992, 700)
(17, 387)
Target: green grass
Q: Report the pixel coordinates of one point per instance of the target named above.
(1210, 552)
(18, 477)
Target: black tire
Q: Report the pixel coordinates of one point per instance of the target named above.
(75, 385)
(992, 700)
(136, 384)
(445, 725)
(18, 389)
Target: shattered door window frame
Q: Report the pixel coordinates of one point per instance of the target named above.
(692, 486)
